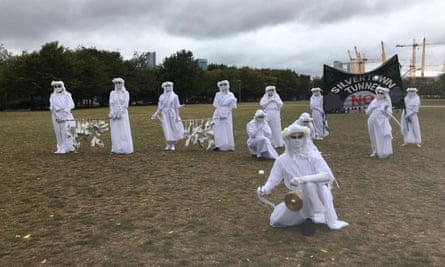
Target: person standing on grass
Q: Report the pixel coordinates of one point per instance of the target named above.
(379, 112)
(60, 104)
(224, 103)
(318, 114)
(272, 104)
(306, 173)
(259, 133)
(121, 140)
(409, 121)
(172, 125)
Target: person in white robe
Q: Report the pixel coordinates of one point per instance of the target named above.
(272, 104)
(120, 131)
(304, 172)
(259, 133)
(168, 106)
(60, 104)
(306, 120)
(409, 121)
(318, 114)
(379, 112)
(224, 102)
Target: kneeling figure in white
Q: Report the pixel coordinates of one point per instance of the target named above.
(305, 172)
(259, 132)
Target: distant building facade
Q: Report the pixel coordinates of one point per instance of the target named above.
(202, 62)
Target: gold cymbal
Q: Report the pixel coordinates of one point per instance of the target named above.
(293, 201)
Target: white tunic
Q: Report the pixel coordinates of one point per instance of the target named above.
(379, 128)
(272, 106)
(222, 119)
(410, 121)
(172, 125)
(317, 197)
(318, 116)
(120, 131)
(60, 105)
(258, 142)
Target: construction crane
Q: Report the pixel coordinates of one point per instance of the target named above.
(361, 63)
(383, 53)
(353, 63)
(412, 66)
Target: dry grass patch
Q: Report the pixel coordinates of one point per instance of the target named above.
(194, 207)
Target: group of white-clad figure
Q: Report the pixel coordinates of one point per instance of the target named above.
(301, 167)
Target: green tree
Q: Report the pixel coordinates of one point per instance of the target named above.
(182, 69)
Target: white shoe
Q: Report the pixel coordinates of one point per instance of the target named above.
(404, 144)
(419, 145)
(172, 147)
(167, 147)
(337, 225)
(372, 154)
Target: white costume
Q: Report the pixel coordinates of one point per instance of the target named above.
(224, 102)
(259, 134)
(306, 173)
(409, 120)
(272, 104)
(121, 140)
(60, 104)
(379, 128)
(318, 115)
(172, 125)
(306, 120)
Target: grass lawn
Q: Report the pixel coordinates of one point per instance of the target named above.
(194, 207)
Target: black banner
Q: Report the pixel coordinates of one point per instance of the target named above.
(351, 92)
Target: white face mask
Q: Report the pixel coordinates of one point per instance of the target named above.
(411, 94)
(316, 93)
(224, 88)
(260, 120)
(296, 144)
(168, 89)
(118, 85)
(58, 89)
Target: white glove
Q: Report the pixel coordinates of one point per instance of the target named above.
(297, 181)
(261, 191)
(153, 117)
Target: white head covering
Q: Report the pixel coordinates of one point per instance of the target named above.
(59, 86)
(224, 85)
(167, 86)
(305, 118)
(259, 114)
(295, 146)
(119, 83)
(411, 90)
(316, 89)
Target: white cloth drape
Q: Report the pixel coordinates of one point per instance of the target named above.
(258, 142)
(60, 106)
(272, 107)
(172, 125)
(318, 116)
(222, 119)
(317, 197)
(120, 130)
(379, 128)
(410, 122)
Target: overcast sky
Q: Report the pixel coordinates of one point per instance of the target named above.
(300, 35)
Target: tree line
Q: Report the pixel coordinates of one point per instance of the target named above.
(87, 73)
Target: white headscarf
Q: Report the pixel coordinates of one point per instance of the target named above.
(224, 86)
(59, 87)
(316, 91)
(295, 139)
(167, 86)
(119, 84)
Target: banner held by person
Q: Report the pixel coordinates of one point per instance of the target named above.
(346, 92)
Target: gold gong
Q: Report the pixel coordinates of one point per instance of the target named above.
(293, 201)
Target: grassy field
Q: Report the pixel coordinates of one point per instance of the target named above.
(194, 207)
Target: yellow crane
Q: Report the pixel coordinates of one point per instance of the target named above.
(412, 66)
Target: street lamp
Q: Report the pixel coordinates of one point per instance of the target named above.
(239, 90)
